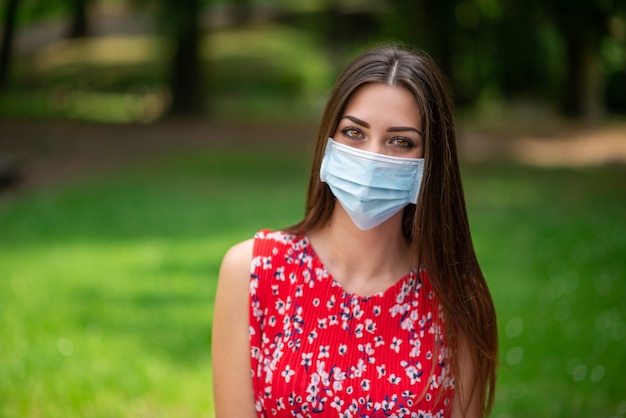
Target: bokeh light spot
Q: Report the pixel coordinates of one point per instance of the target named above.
(515, 355)
(65, 346)
(514, 327)
(597, 373)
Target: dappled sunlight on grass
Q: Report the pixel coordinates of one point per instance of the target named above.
(95, 106)
(100, 51)
(83, 79)
(123, 79)
(270, 49)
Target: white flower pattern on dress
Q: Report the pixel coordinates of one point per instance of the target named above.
(319, 350)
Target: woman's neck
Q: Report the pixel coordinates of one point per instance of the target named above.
(363, 262)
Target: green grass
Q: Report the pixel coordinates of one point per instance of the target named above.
(552, 244)
(107, 284)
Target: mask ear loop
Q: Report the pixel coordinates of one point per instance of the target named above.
(324, 165)
(418, 181)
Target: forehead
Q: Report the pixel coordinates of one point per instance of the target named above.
(380, 102)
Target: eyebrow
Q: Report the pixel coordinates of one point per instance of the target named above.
(391, 129)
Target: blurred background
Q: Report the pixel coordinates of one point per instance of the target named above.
(139, 139)
(139, 60)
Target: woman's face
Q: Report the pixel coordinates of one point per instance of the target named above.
(382, 119)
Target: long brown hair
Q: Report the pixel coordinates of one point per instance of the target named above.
(436, 228)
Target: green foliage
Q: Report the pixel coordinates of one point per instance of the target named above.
(511, 51)
(540, 50)
(37, 10)
(108, 283)
(123, 78)
(267, 61)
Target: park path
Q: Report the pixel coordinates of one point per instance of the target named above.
(48, 153)
(562, 144)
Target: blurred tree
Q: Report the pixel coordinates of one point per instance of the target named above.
(519, 40)
(184, 35)
(331, 23)
(582, 25)
(429, 25)
(448, 30)
(241, 10)
(351, 27)
(10, 17)
(534, 49)
(614, 60)
(178, 20)
(79, 21)
(339, 26)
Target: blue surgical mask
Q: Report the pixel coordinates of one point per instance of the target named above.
(371, 187)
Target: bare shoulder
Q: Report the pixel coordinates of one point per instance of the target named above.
(234, 274)
(233, 281)
(237, 259)
(230, 342)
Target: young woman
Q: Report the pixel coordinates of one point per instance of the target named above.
(374, 304)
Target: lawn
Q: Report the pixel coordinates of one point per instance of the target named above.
(107, 284)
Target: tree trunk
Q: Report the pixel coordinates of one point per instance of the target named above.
(10, 17)
(428, 25)
(241, 10)
(583, 94)
(79, 24)
(185, 69)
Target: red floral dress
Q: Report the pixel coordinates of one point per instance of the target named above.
(318, 350)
